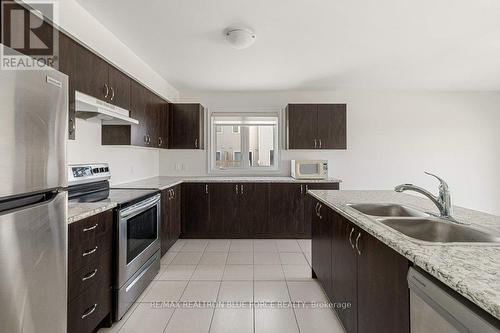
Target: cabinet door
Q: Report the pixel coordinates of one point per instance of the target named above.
(253, 208)
(309, 202)
(175, 224)
(91, 76)
(332, 124)
(163, 119)
(186, 126)
(195, 209)
(165, 220)
(152, 119)
(68, 50)
(119, 85)
(322, 246)
(224, 221)
(344, 272)
(138, 103)
(382, 287)
(302, 126)
(286, 211)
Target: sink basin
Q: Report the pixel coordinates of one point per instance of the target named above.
(439, 230)
(387, 210)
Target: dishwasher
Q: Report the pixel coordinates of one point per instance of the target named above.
(435, 308)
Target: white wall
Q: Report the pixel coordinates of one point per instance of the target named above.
(393, 137)
(127, 163)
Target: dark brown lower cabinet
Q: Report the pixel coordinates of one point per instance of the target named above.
(322, 246)
(170, 229)
(249, 210)
(195, 210)
(366, 276)
(90, 273)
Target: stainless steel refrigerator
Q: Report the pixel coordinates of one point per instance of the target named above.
(33, 208)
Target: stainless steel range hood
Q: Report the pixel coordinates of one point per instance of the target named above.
(88, 107)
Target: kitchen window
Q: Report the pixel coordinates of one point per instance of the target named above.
(244, 143)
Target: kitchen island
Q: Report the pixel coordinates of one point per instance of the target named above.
(472, 270)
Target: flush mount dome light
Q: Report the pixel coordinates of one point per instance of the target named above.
(240, 38)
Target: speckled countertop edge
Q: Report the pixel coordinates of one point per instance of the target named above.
(80, 211)
(471, 270)
(164, 182)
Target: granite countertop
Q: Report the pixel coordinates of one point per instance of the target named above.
(163, 182)
(473, 270)
(78, 211)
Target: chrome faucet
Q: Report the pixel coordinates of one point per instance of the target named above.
(442, 201)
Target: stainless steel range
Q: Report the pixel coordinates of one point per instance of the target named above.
(137, 230)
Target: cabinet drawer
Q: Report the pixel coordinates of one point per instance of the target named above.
(89, 309)
(87, 251)
(89, 228)
(95, 274)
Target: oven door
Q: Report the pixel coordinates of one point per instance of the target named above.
(138, 236)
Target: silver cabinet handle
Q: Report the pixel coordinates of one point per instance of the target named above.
(320, 143)
(319, 211)
(241, 189)
(301, 189)
(316, 209)
(307, 188)
(112, 93)
(145, 139)
(89, 252)
(91, 228)
(106, 87)
(160, 141)
(236, 188)
(350, 238)
(89, 311)
(206, 188)
(357, 240)
(89, 275)
(196, 143)
(315, 143)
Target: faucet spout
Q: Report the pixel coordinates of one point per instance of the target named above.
(418, 189)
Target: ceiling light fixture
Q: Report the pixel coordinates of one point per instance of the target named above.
(240, 38)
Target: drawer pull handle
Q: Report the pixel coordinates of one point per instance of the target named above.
(89, 275)
(89, 311)
(350, 238)
(91, 228)
(89, 252)
(357, 241)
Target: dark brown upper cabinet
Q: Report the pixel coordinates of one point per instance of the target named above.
(119, 86)
(316, 126)
(163, 110)
(186, 126)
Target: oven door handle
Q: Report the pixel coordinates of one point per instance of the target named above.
(142, 206)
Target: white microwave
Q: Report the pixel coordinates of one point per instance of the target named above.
(309, 169)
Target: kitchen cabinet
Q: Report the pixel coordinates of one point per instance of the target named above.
(321, 246)
(344, 271)
(365, 274)
(90, 273)
(170, 217)
(286, 210)
(164, 123)
(119, 86)
(316, 126)
(186, 123)
(195, 209)
(68, 49)
(149, 110)
(382, 287)
(309, 202)
(235, 208)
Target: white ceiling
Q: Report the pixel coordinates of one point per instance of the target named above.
(313, 44)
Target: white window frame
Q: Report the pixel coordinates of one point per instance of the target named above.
(246, 169)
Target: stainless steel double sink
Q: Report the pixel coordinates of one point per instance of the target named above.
(425, 227)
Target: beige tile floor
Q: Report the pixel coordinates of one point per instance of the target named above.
(234, 278)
